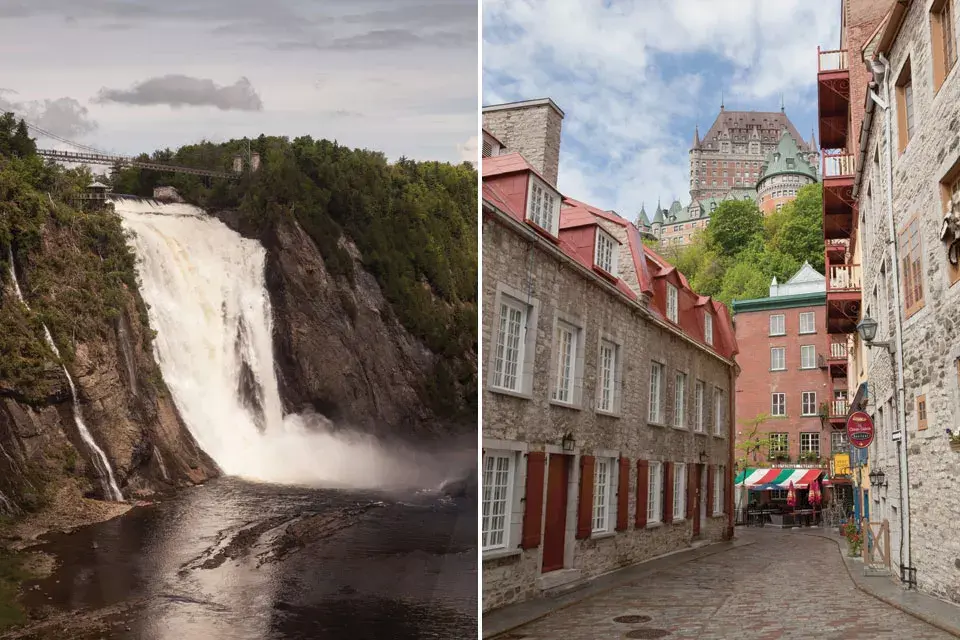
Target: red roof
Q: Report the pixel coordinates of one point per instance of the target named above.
(504, 187)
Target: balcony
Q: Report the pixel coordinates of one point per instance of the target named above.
(838, 351)
(836, 360)
(843, 298)
(833, 98)
(839, 409)
(839, 206)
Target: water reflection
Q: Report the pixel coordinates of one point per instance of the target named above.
(199, 566)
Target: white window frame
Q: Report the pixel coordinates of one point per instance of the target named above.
(603, 513)
(543, 205)
(708, 328)
(811, 404)
(508, 372)
(807, 441)
(811, 351)
(655, 412)
(778, 325)
(781, 361)
(609, 405)
(606, 252)
(505, 500)
(699, 391)
(523, 383)
(781, 405)
(568, 366)
(719, 413)
(679, 492)
(811, 322)
(673, 303)
(718, 490)
(680, 400)
(654, 493)
(839, 442)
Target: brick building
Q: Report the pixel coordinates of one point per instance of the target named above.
(607, 382)
(797, 380)
(894, 214)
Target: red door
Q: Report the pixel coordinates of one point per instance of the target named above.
(697, 497)
(554, 527)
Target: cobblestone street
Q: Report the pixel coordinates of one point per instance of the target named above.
(785, 585)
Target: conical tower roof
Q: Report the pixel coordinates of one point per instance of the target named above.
(642, 219)
(786, 159)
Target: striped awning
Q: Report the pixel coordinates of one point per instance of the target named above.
(763, 479)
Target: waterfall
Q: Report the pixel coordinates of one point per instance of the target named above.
(206, 291)
(99, 458)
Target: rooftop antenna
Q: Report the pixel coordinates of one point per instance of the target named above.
(781, 102)
(721, 99)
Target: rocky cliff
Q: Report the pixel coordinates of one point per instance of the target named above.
(122, 397)
(339, 347)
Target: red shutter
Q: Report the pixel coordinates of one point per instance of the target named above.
(643, 488)
(533, 501)
(585, 503)
(667, 492)
(691, 489)
(711, 470)
(623, 495)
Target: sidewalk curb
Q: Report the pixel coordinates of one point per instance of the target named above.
(584, 593)
(948, 628)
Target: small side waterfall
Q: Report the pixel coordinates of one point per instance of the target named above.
(99, 458)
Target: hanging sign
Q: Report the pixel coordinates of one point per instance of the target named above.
(860, 430)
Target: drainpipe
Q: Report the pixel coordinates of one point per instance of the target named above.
(905, 555)
(731, 456)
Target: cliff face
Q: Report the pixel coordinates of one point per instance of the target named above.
(123, 401)
(339, 348)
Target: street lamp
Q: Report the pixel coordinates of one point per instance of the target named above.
(878, 478)
(868, 331)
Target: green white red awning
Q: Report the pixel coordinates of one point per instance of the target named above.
(763, 479)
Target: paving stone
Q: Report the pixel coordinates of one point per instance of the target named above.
(784, 586)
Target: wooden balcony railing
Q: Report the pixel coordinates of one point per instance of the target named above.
(836, 165)
(839, 408)
(835, 60)
(843, 277)
(838, 350)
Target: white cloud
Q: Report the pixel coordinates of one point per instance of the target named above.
(621, 143)
(468, 150)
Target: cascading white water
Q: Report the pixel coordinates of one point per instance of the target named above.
(99, 458)
(206, 291)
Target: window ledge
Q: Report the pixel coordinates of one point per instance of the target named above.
(566, 405)
(776, 335)
(653, 525)
(784, 369)
(678, 521)
(609, 414)
(675, 427)
(721, 436)
(508, 392)
(699, 433)
(496, 554)
(651, 423)
(600, 535)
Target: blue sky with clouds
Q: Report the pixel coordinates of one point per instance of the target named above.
(634, 76)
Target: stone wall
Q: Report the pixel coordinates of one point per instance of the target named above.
(931, 335)
(557, 289)
(531, 128)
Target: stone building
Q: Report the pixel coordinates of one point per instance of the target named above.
(785, 170)
(607, 403)
(891, 189)
(797, 381)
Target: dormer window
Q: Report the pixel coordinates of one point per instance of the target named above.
(491, 146)
(543, 206)
(671, 303)
(606, 253)
(708, 328)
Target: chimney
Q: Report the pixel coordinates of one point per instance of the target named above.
(530, 128)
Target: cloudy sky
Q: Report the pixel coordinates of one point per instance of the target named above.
(634, 76)
(130, 76)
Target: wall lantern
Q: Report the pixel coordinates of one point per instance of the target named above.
(703, 456)
(878, 478)
(868, 331)
(568, 443)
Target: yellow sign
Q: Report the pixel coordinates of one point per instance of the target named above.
(841, 464)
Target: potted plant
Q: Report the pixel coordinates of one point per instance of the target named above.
(779, 456)
(809, 456)
(954, 440)
(854, 539)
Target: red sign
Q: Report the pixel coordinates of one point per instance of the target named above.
(860, 430)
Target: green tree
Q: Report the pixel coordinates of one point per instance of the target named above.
(733, 225)
(799, 232)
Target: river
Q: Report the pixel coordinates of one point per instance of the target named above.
(215, 562)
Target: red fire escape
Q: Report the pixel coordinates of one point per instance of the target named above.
(839, 221)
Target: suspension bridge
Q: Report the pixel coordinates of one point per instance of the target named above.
(89, 155)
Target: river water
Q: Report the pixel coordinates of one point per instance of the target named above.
(210, 562)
